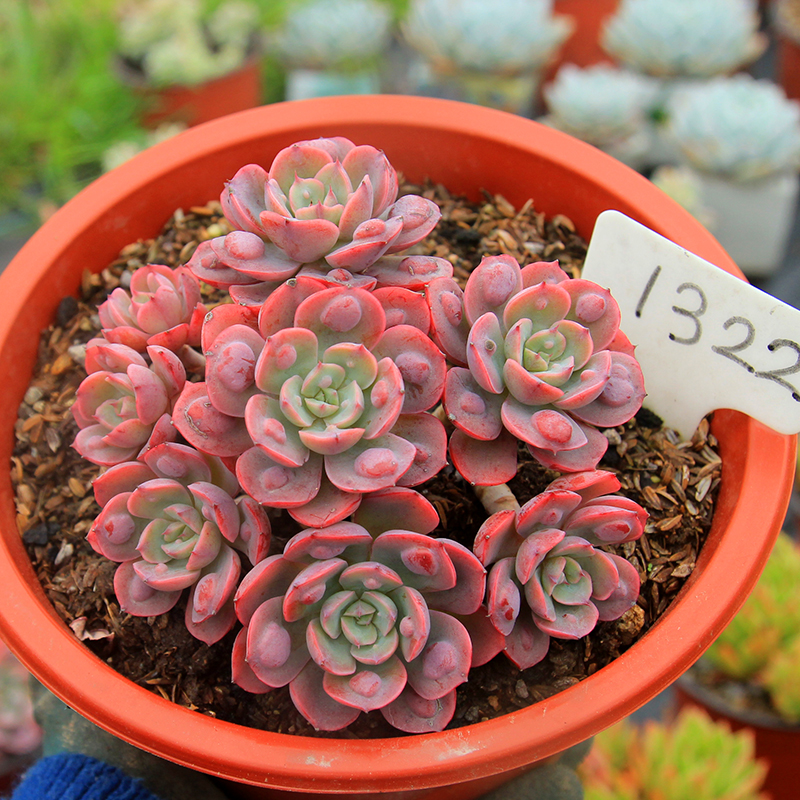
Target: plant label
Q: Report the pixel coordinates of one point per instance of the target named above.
(705, 339)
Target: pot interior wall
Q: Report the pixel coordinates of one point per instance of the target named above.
(467, 149)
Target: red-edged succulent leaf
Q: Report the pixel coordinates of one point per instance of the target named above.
(255, 530)
(241, 672)
(549, 509)
(544, 305)
(624, 597)
(588, 484)
(213, 627)
(276, 649)
(269, 578)
(225, 316)
(115, 534)
(546, 428)
(465, 597)
(379, 511)
(414, 714)
(207, 429)
(444, 662)
(449, 324)
(419, 216)
(303, 240)
(384, 400)
(230, 368)
(580, 459)
(138, 598)
(404, 307)
(470, 407)
(371, 239)
(429, 437)
(242, 199)
(491, 285)
(542, 272)
(311, 586)
(103, 356)
(527, 644)
(411, 272)
(497, 537)
(277, 485)
(316, 705)
(421, 562)
(345, 540)
(485, 353)
(484, 463)
(487, 641)
(187, 465)
(270, 430)
(621, 397)
(371, 465)
(331, 505)
(288, 353)
(594, 308)
(278, 310)
(607, 520)
(370, 687)
(120, 478)
(503, 596)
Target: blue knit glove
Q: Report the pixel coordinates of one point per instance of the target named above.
(73, 776)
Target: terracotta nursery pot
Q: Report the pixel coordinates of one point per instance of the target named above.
(193, 105)
(466, 148)
(777, 742)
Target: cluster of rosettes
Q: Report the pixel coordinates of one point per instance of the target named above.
(327, 388)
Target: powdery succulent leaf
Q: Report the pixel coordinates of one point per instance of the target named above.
(527, 644)
(504, 599)
(347, 540)
(276, 649)
(339, 315)
(485, 355)
(484, 463)
(276, 485)
(303, 240)
(252, 257)
(187, 465)
(445, 659)
(340, 277)
(138, 598)
(550, 509)
(586, 387)
(466, 596)
(595, 309)
(288, 353)
(625, 595)
(379, 511)
(212, 592)
(535, 547)
(429, 437)
(316, 705)
(230, 368)
(589, 484)
(414, 621)
(207, 429)
(621, 397)
(278, 310)
(487, 641)
(404, 307)
(358, 207)
(103, 356)
(243, 199)
(218, 507)
(362, 160)
(224, 316)
(542, 272)
(371, 465)
(412, 713)
(491, 285)
(546, 428)
(241, 672)
(273, 433)
(114, 533)
(470, 407)
(580, 459)
(497, 538)
(529, 388)
(385, 401)
(422, 563)
(268, 579)
(419, 217)
(119, 479)
(412, 272)
(370, 575)
(308, 590)
(607, 520)
(331, 505)
(420, 362)
(368, 688)
(371, 239)
(255, 530)
(208, 265)
(449, 323)
(544, 304)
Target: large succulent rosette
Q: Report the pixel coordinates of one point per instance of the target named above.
(324, 204)
(543, 361)
(548, 575)
(317, 399)
(123, 405)
(163, 307)
(354, 624)
(174, 521)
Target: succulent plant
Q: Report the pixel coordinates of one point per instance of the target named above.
(548, 576)
(324, 204)
(172, 522)
(334, 34)
(163, 307)
(739, 128)
(175, 42)
(123, 405)
(19, 733)
(684, 38)
(601, 104)
(780, 680)
(765, 630)
(322, 399)
(509, 36)
(682, 184)
(694, 756)
(354, 623)
(546, 365)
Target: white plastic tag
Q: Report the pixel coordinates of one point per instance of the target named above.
(704, 338)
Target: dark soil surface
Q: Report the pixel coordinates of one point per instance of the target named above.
(675, 481)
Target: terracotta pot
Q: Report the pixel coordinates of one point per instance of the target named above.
(466, 148)
(788, 66)
(777, 742)
(193, 105)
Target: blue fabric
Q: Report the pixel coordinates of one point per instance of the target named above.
(72, 776)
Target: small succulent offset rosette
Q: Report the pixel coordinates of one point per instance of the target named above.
(318, 399)
(354, 623)
(543, 361)
(324, 204)
(548, 575)
(174, 520)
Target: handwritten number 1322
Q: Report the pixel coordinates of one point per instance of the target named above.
(728, 351)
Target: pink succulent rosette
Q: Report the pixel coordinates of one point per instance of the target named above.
(541, 360)
(317, 399)
(174, 521)
(123, 405)
(324, 204)
(163, 307)
(548, 576)
(354, 623)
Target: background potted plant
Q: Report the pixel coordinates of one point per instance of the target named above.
(692, 754)
(748, 677)
(516, 154)
(741, 139)
(188, 64)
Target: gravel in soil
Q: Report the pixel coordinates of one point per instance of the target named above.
(675, 481)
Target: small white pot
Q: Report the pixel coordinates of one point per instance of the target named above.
(302, 84)
(752, 220)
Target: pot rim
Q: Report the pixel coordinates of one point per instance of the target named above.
(47, 647)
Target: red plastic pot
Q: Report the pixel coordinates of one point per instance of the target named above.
(777, 742)
(788, 65)
(467, 148)
(193, 105)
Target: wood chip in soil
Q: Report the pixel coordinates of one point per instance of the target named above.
(675, 481)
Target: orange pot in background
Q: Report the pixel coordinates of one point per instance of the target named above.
(467, 148)
(788, 65)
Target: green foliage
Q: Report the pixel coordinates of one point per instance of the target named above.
(767, 622)
(782, 680)
(62, 105)
(692, 758)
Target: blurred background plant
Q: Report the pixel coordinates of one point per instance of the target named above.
(691, 758)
